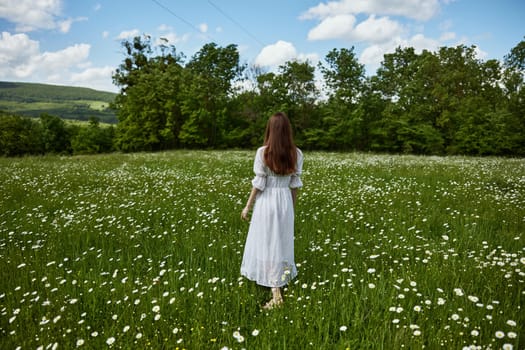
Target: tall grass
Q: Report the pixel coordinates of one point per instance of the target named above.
(143, 251)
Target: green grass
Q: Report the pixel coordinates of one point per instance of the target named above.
(393, 252)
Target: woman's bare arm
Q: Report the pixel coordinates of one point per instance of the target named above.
(249, 204)
(294, 195)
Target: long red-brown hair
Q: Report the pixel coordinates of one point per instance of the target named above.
(280, 154)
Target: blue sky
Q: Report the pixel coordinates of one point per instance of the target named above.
(73, 42)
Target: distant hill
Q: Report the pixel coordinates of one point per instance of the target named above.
(67, 102)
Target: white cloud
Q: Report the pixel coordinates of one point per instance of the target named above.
(342, 27)
(16, 48)
(276, 54)
(98, 78)
(415, 9)
(338, 26)
(65, 25)
(203, 27)
(377, 30)
(21, 59)
(105, 34)
(68, 57)
(128, 34)
(29, 15)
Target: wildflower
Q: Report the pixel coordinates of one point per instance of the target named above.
(458, 292)
(255, 332)
(175, 330)
(473, 298)
(395, 321)
(371, 285)
(125, 329)
(474, 333)
(512, 335)
(94, 334)
(511, 323)
(455, 317)
(371, 270)
(110, 340)
(500, 335)
(441, 301)
(507, 347)
(138, 336)
(80, 342)
(155, 308)
(417, 308)
(238, 336)
(343, 328)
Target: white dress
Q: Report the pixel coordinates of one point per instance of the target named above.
(269, 250)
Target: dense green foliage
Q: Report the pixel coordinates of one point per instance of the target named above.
(447, 102)
(50, 134)
(444, 102)
(143, 251)
(67, 102)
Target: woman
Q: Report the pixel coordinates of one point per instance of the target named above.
(269, 251)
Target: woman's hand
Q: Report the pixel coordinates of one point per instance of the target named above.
(244, 213)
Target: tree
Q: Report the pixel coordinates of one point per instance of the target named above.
(148, 106)
(341, 125)
(19, 136)
(93, 138)
(514, 82)
(55, 135)
(209, 78)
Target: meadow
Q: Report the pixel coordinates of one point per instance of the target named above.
(143, 251)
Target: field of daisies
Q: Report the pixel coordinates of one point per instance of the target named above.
(144, 250)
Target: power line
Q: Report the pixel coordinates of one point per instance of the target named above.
(237, 23)
(182, 19)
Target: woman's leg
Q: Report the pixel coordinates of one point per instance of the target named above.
(276, 294)
(277, 299)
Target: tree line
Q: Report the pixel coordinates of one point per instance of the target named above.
(21, 136)
(445, 102)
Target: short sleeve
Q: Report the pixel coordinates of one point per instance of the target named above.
(295, 181)
(259, 181)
